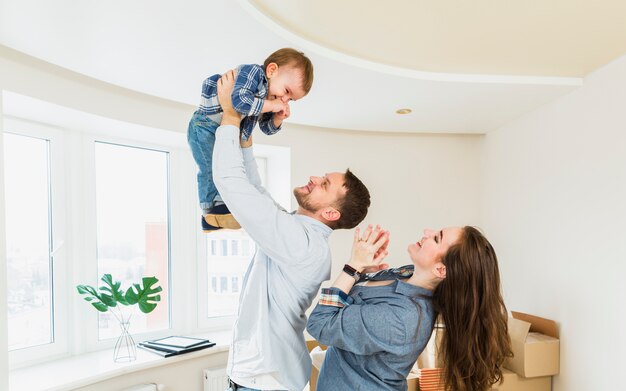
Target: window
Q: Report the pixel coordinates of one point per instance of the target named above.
(225, 302)
(85, 196)
(36, 253)
(235, 285)
(113, 195)
(214, 307)
(245, 247)
(132, 227)
(223, 284)
(224, 247)
(234, 247)
(29, 241)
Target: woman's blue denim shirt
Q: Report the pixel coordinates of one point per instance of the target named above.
(374, 335)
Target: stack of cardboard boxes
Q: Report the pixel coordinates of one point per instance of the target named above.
(535, 344)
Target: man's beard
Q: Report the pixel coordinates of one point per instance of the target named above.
(304, 202)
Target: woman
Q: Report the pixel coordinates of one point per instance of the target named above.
(376, 332)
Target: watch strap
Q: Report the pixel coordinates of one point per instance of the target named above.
(352, 272)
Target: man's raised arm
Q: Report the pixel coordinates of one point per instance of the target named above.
(232, 117)
(274, 230)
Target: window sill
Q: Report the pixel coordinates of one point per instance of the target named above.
(82, 370)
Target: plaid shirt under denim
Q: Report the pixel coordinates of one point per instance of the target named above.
(334, 297)
(249, 93)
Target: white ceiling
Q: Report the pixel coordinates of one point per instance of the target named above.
(166, 48)
(511, 37)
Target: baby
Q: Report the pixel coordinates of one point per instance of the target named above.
(261, 94)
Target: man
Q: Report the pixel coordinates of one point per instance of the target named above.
(268, 351)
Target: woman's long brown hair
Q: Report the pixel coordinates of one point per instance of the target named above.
(476, 341)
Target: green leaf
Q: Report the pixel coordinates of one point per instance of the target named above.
(147, 296)
(113, 293)
(93, 297)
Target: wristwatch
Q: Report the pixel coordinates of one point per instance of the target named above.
(349, 270)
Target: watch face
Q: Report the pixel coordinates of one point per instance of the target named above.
(349, 270)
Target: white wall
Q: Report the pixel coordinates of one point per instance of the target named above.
(4, 384)
(554, 206)
(416, 181)
(179, 376)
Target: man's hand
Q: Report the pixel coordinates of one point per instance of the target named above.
(245, 143)
(225, 87)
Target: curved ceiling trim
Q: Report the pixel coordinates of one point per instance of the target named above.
(321, 50)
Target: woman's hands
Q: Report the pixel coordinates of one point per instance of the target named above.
(369, 249)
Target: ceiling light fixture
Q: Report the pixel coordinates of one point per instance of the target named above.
(403, 111)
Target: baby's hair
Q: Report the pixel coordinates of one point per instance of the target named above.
(289, 56)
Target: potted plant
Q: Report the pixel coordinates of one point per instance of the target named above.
(110, 297)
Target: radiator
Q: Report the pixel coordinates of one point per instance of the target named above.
(215, 379)
(146, 387)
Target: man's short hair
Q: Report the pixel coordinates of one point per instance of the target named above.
(354, 204)
(289, 56)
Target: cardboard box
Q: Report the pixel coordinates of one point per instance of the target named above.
(310, 344)
(412, 382)
(535, 345)
(430, 356)
(514, 382)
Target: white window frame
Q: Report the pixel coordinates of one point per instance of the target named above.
(57, 184)
(89, 270)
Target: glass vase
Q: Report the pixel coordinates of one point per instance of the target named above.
(125, 349)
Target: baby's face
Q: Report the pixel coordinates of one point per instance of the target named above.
(285, 84)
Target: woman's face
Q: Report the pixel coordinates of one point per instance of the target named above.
(429, 250)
